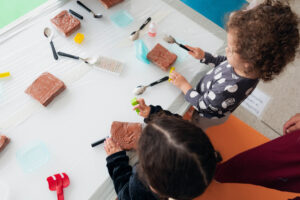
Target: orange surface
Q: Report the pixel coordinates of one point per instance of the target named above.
(229, 139)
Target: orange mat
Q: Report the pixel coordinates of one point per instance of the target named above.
(229, 139)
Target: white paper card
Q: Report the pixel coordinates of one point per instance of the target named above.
(256, 102)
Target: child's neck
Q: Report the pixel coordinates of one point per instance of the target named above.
(250, 75)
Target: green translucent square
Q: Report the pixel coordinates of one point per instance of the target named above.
(10, 10)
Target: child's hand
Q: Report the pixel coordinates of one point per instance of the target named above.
(196, 52)
(179, 81)
(144, 109)
(111, 147)
(292, 124)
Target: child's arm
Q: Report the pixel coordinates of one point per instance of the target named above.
(211, 60)
(119, 169)
(206, 57)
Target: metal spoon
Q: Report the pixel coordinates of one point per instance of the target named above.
(49, 34)
(141, 89)
(135, 34)
(171, 40)
(89, 61)
(89, 10)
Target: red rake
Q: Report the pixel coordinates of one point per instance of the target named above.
(57, 183)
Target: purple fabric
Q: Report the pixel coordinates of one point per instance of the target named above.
(275, 164)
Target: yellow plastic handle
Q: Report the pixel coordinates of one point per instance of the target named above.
(5, 74)
(171, 70)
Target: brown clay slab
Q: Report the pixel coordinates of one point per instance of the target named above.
(66, 23)
(126, 134)
(45, 88)
(161, 57)
(3, 142)
(110, 3)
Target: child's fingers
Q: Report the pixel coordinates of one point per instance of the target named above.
(190, 48)
(289, 123)
(293, 128)
(141, 101)
(137, 107)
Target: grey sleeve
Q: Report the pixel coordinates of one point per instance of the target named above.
(211, 60)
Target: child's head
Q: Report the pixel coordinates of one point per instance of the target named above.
(265, 37)
(176, 158)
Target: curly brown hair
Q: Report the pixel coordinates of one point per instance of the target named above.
(267, 37)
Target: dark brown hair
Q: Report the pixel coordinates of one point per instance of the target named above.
(176, 158)
(267, 36)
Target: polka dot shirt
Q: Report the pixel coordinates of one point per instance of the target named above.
(221, 90)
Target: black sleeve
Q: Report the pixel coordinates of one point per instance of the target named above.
(156, 111)
(125, 179)
(120, 172)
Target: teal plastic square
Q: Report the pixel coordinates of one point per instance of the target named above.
(121, 18)
(33, 156)
(141, 51)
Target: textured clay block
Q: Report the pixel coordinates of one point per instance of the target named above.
(160, 56)
(110, 3)
(3, 142)
(66, 23)
(126, 134)
(45, 88)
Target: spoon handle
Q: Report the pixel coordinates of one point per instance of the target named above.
(53, 50)
(67, 55)
(184, 47)
(82, 5)
(145, 23)
(160, 81)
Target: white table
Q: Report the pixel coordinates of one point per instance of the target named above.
(93, 99)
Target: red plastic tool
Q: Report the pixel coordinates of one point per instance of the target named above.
(57, 183)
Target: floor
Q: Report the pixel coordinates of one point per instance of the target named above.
(229, 139)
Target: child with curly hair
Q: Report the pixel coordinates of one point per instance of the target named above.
(261, 42)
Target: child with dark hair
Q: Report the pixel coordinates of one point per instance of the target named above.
(261, 42)
(176, 159)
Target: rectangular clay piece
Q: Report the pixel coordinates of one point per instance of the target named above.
(110, 3)
(3, 142)
(160, 56)
(66, 23)
(45, 88)
(126, 134)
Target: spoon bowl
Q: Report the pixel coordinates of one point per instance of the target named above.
(48, 33)
(169, 39)
(90, 60)
(134, 35)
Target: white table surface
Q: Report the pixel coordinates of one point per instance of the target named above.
(93, 99)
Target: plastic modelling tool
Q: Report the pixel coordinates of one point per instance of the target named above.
(171, 40)
(141, 89)
(79, 37)
(135, 34)
(49, 34)
(89, 10)
(57, 183)
(171, 70)
(88, 60)
(134, 103)
(98, 142)
(76, 14)
(4, 74)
